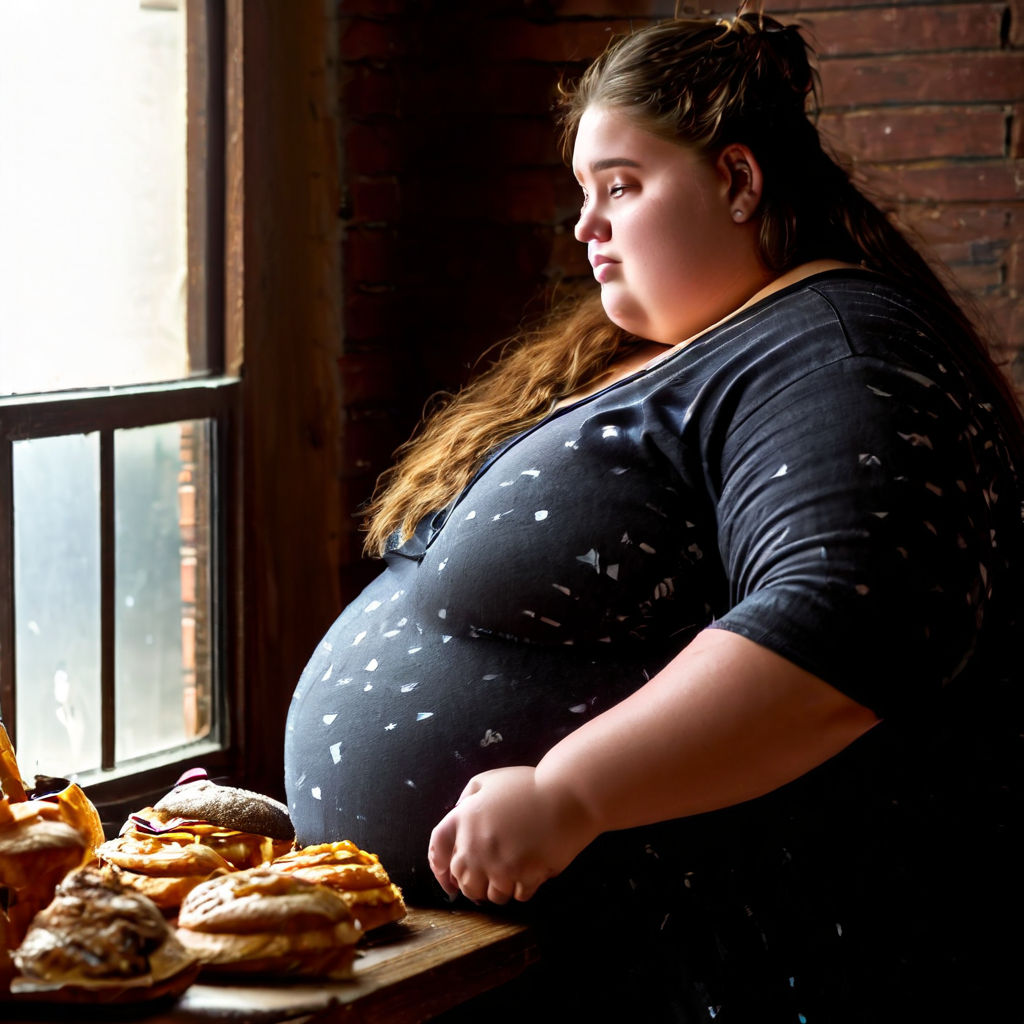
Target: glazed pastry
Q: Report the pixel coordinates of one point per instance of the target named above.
(264, 921)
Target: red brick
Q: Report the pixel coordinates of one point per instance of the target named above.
(963, 223)
(976, 252)
(929, 78)
(488, 90)
(1016, 131)
(905, 28)
(1016, 32)
(186, 506)
(896, 134)
(372, 8)
(979, 278)
(514, 196)
(188, 642)
(362, 39)
(792, 6)
(374, 200)
(369, 316)
(373, 148)
(460, 141)
(366, 378)
(995, 180)
(615, 8)
(368, 444)
(1015, 270)
(519, 142)
(370, 256)
(555, 41)
(473, 252)
(369, 92)
(1007, 316)
(950, 253)
(188, 579)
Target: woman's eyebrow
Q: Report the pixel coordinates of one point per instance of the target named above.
(612, 161)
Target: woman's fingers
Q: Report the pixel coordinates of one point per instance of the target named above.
(439, 854)
(524, 891)
(499, 893)
(504, 838)
(473, 884)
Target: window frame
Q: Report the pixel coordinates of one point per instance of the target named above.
(208, 394)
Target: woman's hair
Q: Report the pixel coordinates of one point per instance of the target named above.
(702, 83)
(571, 349)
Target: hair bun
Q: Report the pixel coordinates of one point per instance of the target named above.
(777, 52)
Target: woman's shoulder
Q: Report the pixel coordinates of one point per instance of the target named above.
(833, 315)
(863, 296)
(815, 320)
(868, 303)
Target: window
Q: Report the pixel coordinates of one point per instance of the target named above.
(117, 425)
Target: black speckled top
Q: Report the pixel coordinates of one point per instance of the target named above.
(816, 474)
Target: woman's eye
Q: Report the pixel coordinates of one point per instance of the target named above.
(616, 191)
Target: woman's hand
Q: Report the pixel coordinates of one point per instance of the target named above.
(510, 831)
(725, 721)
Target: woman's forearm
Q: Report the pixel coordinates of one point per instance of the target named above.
(727, 720)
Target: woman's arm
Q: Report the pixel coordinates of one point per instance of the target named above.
(725, 721)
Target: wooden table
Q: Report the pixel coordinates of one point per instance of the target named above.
(428, 963)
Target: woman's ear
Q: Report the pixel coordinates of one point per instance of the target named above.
(742, 173)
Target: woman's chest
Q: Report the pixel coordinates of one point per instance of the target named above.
(585, 529)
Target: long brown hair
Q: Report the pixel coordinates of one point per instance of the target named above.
(568, 351)
(703, 83)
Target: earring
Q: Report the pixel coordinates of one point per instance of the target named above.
(737, 214)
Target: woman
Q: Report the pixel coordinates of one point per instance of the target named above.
(696, 621)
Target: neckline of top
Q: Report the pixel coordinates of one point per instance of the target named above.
(558, 411)
(734, 319)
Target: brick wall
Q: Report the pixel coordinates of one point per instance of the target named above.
(458, 212)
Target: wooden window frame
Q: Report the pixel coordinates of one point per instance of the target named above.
(270, 268)
(209, 394)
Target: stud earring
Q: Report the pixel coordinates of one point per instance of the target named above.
(737, 214)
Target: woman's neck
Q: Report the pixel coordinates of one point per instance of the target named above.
(651, 352)
(784, 280)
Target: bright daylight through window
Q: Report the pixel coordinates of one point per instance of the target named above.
(111, 439)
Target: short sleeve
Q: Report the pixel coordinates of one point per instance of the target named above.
(856, 527)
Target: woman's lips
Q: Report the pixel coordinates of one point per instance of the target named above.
(602, 265)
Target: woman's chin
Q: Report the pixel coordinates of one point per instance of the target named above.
(623, 312)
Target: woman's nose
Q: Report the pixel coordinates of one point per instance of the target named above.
(591, 227)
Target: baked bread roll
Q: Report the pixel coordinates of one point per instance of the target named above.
(6, 963)
(165, 868)
(36, 851)
(264, 921)
(41, 840)
(98, 935)
(70, 804)
(198, 831)
(232, 808)
(246, 828)
(357, 876)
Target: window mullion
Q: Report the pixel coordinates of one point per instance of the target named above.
(7, 664)
(107, 598)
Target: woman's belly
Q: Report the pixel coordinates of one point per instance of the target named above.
(392, 716)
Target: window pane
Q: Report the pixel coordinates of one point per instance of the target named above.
(162, 655)
(92, 193)
(57, 603)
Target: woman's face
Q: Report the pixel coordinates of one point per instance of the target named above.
(658, 220)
